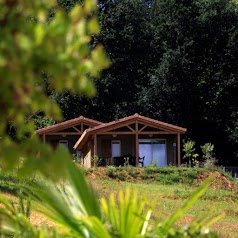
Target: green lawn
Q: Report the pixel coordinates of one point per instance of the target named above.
(166, 190)
(165, 199)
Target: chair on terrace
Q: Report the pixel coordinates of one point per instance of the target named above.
(141, 161)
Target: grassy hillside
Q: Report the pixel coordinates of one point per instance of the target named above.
(166, 190)
(166, 175)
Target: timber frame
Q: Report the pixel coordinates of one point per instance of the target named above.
(69, 130)
(135, 125)
(71, 127)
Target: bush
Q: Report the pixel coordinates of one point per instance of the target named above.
(168, 179)
(110, 171)
(131, 171)
(167, 170)
(150, 170)
(122, 176)
(210, 163)
(190, 175)
(163, 179)
(175, 177)
(145, 176)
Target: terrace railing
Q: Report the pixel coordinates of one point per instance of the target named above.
(232, 170)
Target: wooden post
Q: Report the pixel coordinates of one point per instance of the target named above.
(178, 149)
(95, 152)
(81, 127)
(137, 144)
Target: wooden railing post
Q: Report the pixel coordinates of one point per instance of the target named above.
(137, 144)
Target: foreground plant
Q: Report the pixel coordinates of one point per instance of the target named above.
(74, 207)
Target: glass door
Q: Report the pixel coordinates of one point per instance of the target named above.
(154, 151)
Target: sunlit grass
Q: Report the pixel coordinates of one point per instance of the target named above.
(166, 199)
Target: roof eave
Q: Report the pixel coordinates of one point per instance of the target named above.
(81, 141)
(66, 124)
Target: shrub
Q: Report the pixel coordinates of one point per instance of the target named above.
(122, 176)
(131, 171)
(145, 176)
(110, 171)
(189, 148)
(207, 150)
(209, 163)
(175, 177)
(150, 169)
(168, 179)
(191, 175)
(163, 178)
(167, 170)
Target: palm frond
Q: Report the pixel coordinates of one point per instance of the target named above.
(127, 219)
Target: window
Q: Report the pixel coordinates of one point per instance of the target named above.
(116, 148)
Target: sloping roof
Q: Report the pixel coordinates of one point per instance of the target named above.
(121, 122)
(68, 124)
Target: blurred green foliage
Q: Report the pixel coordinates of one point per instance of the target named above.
(31, 45)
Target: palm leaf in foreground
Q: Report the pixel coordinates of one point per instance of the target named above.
(71, 203)
(127, 219)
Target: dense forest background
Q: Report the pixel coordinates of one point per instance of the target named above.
(171, 60)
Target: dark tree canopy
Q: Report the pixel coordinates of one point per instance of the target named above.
(172, 60)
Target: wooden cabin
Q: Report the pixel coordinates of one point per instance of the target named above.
(137, 140)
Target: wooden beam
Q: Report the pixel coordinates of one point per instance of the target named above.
(63, 133)
(140, 133)
(137, 144)
(178, 149)
(157, 133)
(81, 127)
(117, 133)
(142, 128)
(161, 125)
(114, 126)
(130, 128)
(76, 129)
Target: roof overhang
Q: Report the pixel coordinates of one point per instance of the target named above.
(107, 127)
(67, 124)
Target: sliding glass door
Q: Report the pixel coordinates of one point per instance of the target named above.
(154, 151)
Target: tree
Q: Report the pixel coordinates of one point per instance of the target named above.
(125, 35)
(194, 79)
(36, 45)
